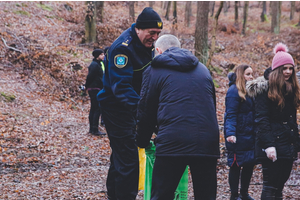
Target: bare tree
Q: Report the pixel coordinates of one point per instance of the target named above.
(90, 22)
(131, 11)
(212, 8)
(236, 13)
(298, 22)
(276, 14)
(201, 33)
(100, 7)
(293, 8)
(175, 15)
(151, 3)
(225, 7)
(263, 15)
(188, 13)
(213, 38)
(168, 10)
(246, 5)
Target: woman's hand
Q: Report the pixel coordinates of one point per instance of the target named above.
(231, 139)
(271, 153)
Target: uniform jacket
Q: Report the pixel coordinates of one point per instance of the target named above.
(239, 122)
(95, 76)
(276, 127)
(178, 96)
(126, 60)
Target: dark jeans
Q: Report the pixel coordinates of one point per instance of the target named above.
(123, 173)
(95, 111)
(167, 172)
(275, 174)
(235, 173)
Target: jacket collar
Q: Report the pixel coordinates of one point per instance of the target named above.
(257, 86)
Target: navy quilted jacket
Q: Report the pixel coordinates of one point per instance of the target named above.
(178, 96)
(239, 122)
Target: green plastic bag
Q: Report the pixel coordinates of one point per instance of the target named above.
(181, 192)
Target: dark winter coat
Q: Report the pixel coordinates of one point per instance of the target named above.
(275, 127)
(178, 96)
(95, 76)
(125, 62)
(239, 122)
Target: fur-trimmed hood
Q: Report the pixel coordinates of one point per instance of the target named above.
(257, 86)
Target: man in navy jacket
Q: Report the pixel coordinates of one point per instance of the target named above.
(178, 96)
(127, 58)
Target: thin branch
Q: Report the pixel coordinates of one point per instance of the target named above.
(9, 46)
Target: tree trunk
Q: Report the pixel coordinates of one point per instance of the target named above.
(246, 5)
(270, 8)
(100, 7)
(236, 13)
(90, 22)
(151, 3)
(131, 11)
(188, 13)
(298, 22)
(293, 8)
(165, 5)
(276, 14)
(263, 15)
(225, 7)
(175, 15)
(201, 35)
(212, 8)
(168, 10)
(213, 38)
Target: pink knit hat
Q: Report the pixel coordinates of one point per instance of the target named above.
(282, 56)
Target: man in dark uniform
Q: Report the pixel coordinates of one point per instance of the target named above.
(127, 58)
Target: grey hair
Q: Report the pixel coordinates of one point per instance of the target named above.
(167, 41)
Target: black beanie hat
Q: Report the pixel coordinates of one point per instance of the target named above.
(97, 52)
(148, 19)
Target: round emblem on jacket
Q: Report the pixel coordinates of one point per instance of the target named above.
(120, 60)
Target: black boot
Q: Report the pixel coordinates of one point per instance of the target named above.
(234, 196)
(268, 193)
(244, 195)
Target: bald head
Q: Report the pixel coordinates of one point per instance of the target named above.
(165, 42)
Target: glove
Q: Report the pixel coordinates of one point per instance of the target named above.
(231, 139)
(271, 153)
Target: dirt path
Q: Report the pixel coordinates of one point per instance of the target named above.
(46, 152)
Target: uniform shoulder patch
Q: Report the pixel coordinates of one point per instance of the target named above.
(120, 60)
(127, 41)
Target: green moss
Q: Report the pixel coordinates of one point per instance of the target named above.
(216, 83)
(44, 7)
(22, 12)
(8, 97)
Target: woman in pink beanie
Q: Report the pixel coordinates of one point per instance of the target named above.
(277, 138)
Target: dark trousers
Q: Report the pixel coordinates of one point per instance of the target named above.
(123, 173)
(167, 172)
(275, 174)
(235, 173)
(95, 111)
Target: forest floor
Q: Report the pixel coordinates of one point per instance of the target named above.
(45, 149)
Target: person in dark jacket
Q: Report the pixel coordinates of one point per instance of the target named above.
(127, 58)
(93, 85)
(178, 96)
(239, 132)
(277, 137)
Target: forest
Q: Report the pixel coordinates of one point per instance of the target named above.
(45, 50)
